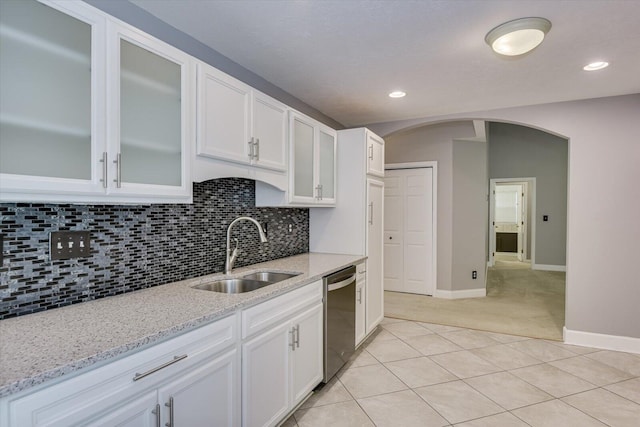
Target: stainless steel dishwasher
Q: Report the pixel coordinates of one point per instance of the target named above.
(339, 319)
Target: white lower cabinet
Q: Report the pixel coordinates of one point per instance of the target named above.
(306, 353)
(265, 374)
(361, 289)
(282, 363)
(211, 376)
(195, 376)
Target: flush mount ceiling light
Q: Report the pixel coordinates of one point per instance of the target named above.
(397, 94)
(594, 66)
(519, 36)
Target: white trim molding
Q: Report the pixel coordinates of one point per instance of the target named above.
(548, 267)
(607, 342)
(465, 293)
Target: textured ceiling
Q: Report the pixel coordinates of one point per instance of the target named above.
(343, 57)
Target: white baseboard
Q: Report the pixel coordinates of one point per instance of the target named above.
(467, 293)
(607, 342)
(548, 267)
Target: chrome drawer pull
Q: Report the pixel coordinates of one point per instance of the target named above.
(157, 368)
(170, 405)
(156, 412)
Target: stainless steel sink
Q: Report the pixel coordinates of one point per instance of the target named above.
(233, 286)
(247, 283)
(270, 276)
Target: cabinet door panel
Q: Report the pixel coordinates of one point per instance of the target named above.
(265, 377)
(375, 155)
(307, 356)
(360, 307)
(303, 151)
(327, 165)
(48, 57)
(150, 121)
(139, 412)
(270, 130)
(374, 263)
(223, 111)
(205, 396)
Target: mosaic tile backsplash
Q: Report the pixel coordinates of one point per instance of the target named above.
(136, 247)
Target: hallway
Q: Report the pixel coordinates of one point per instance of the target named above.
(519, 301)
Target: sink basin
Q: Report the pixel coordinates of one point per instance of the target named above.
(233, 286)
(270, 276)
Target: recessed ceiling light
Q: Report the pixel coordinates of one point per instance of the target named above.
(397, 94)
(594, 66)
(519, 36)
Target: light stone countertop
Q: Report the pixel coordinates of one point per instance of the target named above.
(42, 346)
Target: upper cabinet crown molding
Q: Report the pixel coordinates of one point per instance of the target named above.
(71, 132)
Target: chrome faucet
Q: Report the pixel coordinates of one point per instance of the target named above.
(233, 254)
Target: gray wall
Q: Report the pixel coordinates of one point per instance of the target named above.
(517, 151)
(469, 212)
(434, 143)
(139, 18)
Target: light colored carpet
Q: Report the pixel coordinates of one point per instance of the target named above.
(519, 301)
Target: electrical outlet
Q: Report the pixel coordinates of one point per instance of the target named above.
(474, 274)
(290, 228)
(69, 244)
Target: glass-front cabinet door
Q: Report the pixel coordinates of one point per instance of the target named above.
(327, 166)
(312, 172)
(150, 126)
(303, 156)
(51, 77)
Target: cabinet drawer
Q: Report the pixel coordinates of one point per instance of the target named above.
(268, 313)
(74, 401)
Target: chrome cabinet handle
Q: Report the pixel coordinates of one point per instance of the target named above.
(321, 195)
(292, 331)
(297, 340)
(251, 155)
(257, 151)
(371, 213)
(170, 405)
(103, 160)
(118, 162)
(318, 190)
(156, 412)
(157, 368)
(360, 296)
(371, 152)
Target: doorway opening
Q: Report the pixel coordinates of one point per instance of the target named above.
(512, 213)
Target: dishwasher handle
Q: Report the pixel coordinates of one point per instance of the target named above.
(341, 284)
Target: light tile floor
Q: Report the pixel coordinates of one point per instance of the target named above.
(421, 374)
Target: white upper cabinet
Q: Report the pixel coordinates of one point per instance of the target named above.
(239, 124)
(150, 86)
(375, 154)
(63, 122)
(312, 171)
(52, 84)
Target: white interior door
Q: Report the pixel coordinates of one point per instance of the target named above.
(520, 211)
(408, 237)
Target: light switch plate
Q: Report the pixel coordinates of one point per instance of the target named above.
(69, 244)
